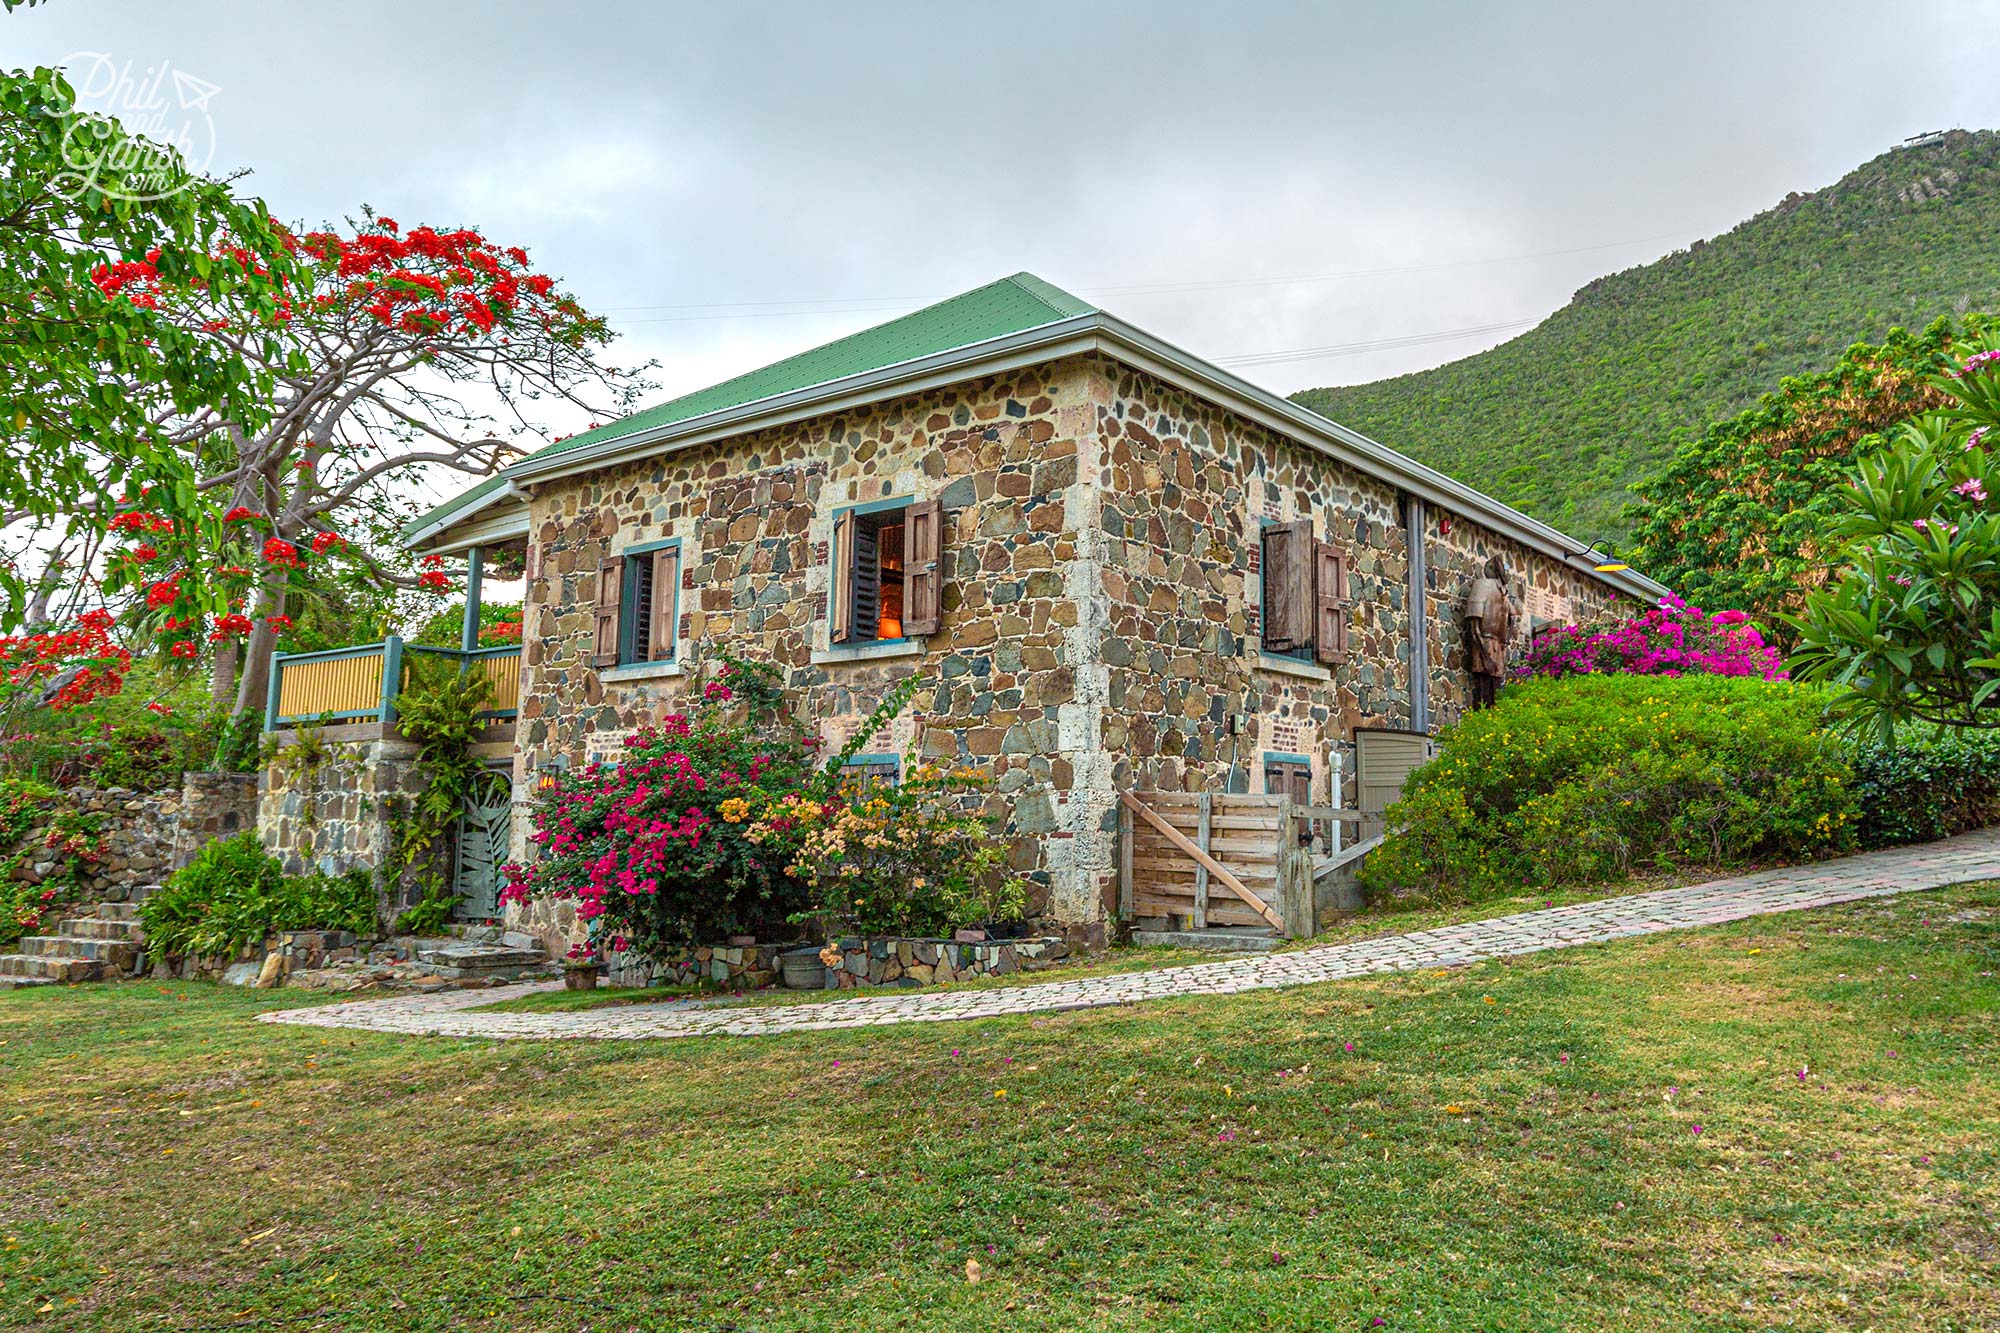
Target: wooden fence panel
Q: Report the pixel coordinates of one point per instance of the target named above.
(342, 686)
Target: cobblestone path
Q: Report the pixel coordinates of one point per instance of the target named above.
(1971, 856)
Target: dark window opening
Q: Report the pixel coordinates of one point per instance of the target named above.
(877, 598)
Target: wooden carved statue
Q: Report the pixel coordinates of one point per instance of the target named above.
(1490, 617)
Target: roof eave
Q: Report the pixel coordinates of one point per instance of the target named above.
(1091, 332)
(424, 538)
(1288, 418)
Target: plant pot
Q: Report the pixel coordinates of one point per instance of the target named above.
(581, 978)
(802, 969)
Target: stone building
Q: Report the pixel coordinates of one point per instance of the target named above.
(1118, 567)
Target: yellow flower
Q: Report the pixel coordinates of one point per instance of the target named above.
(735, 810)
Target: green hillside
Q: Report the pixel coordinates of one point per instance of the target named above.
(1562, 419)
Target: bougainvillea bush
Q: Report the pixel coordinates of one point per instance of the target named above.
(645, 846)
(718, 821)
(1671, 639)
(1586, 779)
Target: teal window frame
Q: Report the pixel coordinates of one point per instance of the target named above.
(628, 605)
(882, 506)
(893, 762)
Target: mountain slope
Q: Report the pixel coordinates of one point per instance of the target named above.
(1560, 420)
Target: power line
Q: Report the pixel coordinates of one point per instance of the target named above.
(806, 306)
(1272, 358)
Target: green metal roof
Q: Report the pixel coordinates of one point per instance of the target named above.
(1010, 305)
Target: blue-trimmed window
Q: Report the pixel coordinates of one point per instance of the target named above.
(866, 769)
(1288, 775)
(886, 577)
(639, 605)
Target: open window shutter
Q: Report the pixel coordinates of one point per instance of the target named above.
(840, 600)
(1288, 584)
(1329, 603)
(663, 635)
(604, 652)
(923, 548)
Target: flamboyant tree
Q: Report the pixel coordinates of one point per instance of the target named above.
(390, 354)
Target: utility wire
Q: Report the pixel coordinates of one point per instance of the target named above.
(716, 310)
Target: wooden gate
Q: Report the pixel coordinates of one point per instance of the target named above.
(1214, 859)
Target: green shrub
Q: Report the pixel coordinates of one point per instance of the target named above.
(218, 902)
(234, 894)
(1583, 779)
(1927, 786)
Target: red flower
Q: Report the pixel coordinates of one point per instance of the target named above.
(278, 551)
(184, 648)
(238, 515)
(279, 623)
(326, 541)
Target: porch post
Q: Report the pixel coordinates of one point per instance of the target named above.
(475, 569)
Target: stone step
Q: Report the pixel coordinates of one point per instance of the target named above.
(47, 968)
(116, 911)
(1221, 939)
(466, 961)
(100, 928)
(120, 954)
(24, 983)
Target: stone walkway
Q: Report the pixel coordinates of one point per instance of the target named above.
(1972, 856)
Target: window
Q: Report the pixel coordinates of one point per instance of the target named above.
(1288, 775)
(638, 606)
(864, 770)
(886, 579)
(1305, 610)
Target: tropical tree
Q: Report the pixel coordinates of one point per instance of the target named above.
(97, 389)
(1743, 515)
(391, 355)
(1909, 627)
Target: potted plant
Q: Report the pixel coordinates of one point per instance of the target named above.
(582, 967)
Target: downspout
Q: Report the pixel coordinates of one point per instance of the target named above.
(1414, 520)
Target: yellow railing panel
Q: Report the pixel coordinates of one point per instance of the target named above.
(343, 685)
(505, 673)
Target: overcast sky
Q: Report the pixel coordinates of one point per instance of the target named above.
(733, 182)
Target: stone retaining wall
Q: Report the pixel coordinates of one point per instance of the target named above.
(146, 836)
(748, 966)
(919, 962)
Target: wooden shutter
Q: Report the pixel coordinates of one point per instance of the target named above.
(1288, 584)
(609, 584)
(923, 580)
(840, 596)
(864, 589)
(663, 634)
(1329, 603)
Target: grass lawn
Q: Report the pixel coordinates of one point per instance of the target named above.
(1785, 1123)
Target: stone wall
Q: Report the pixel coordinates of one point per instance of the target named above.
(1101, 601)
(145, 835)
(340, 813)
(1188, 487)
(853, 962)
(755, 520)
(745, 965)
